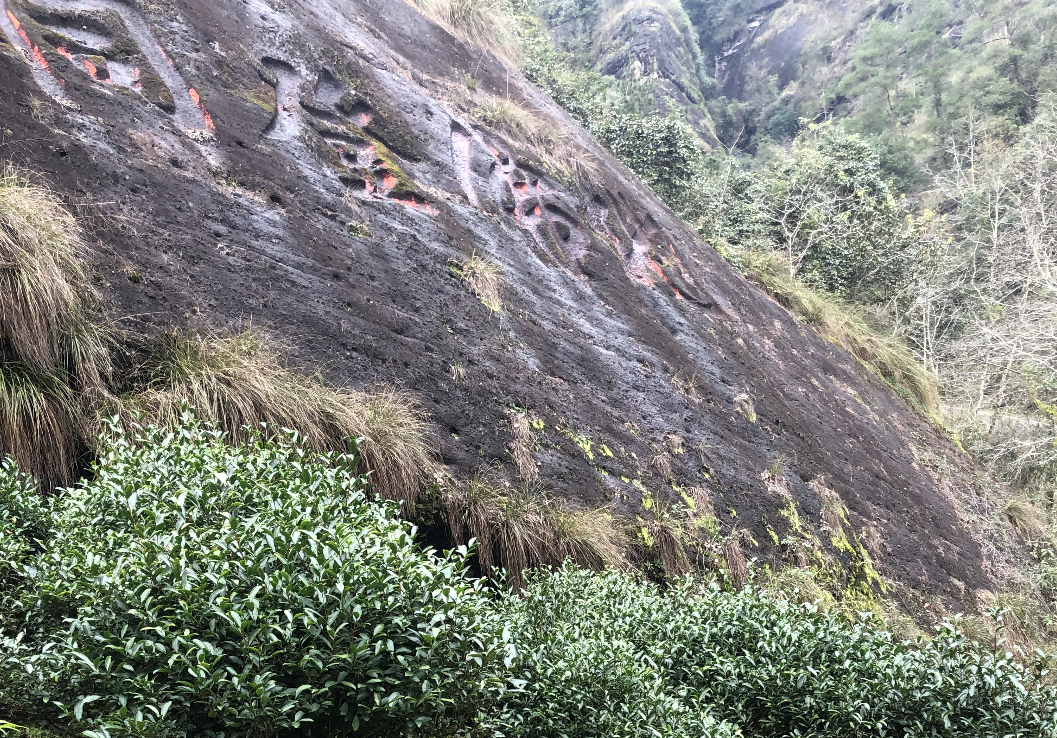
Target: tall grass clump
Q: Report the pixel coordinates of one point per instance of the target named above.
(539, 132)
(239, 382)
(54, 359)
(520, 529)
(41, 278)
(484, 23)
(39, 421)
(887, 356)
(481, 275)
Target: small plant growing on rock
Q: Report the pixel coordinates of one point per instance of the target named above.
(743, 403)
(685, 383)
(521, 529)
(481, 275)
(521, 427)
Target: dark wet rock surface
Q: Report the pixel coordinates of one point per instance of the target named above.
(311, 177)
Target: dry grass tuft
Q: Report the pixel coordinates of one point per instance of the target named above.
(521, 529)
(41, 280)
(685, 382)
(675, 444)
(39, 423)
(743, 403)
(522, 447)
(54, 355)
(665, 539)
(734, 561)
(591, 538)
(797, 584)
(834, 513)
(668, 542)
(395, 437)
(1027, 519)
(887, 356)
(484, 23)
(543, 137)
(239, 382)
(662, 462)
(481, 275)
(519, 124)
(702, 502)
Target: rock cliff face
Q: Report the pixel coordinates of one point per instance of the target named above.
(646, 42)
(304, 167)
(650, 46)
(744, 42)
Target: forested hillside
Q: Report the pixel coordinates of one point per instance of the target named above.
(528, 369)
(909, 74)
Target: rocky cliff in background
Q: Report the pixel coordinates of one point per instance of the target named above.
(310, 168)
(733, 69)
(650, 48)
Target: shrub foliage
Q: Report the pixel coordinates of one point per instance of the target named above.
(196, 588)
(193, 588)
(606, 655)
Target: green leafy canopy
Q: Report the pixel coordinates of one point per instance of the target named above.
(193, 587)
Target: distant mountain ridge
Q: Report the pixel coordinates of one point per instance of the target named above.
(907, 69)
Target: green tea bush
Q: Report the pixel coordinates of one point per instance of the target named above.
(586, 667)
(607, 655)
(664, 152)
(196, 588)
(24, 518)
(192, 588)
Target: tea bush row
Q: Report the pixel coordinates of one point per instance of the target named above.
(192, 588)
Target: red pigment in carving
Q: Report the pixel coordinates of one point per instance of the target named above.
(94, 71)
(537, 212)
(363, 120)
(62, 50)
(33, 49)
(160, 48)
(389, 181)
(416, 205)
(197, 100)
(657, 268)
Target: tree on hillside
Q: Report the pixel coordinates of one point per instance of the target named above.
(830, 210)
(983, 311)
